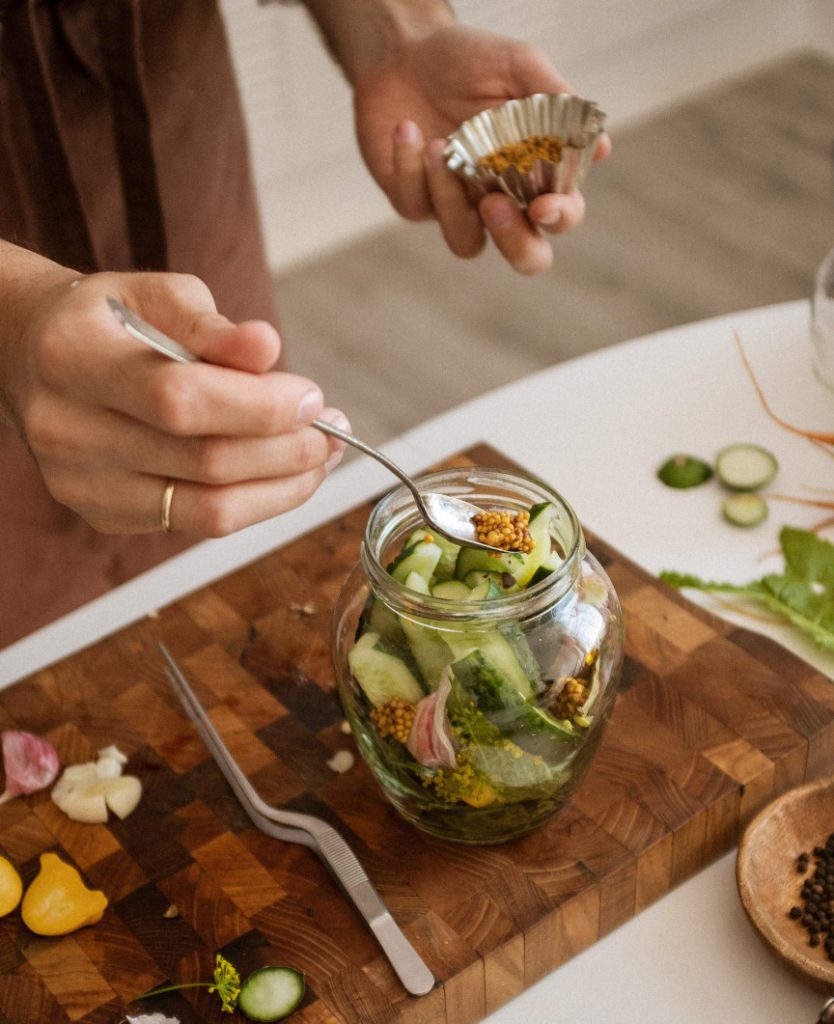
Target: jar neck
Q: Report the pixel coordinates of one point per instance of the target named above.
(395, 517)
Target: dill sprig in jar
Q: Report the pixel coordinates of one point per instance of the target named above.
(477, 685)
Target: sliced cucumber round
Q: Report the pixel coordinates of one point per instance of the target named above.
(745, 467)
(744, 509)
(271, 993)
(684, 471)
(451, 590)
(381, 673)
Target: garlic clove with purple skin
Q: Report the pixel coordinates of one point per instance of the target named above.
(29, 762)
(430, 738)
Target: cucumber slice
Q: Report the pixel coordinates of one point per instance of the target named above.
(428, 648)
(503, 582)
(421, 557)
(520, 566)
(549, 565)
(745, 509)
(745, 467)
(271, 993)
(451, 590)
(474, 560)
(433, 649)
(445, 568)
(499, 699)
(684, 471)
(381, 674)
(415, 581)
(486, 590)
(382, 620)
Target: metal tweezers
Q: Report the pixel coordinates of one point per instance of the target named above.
(318, 836)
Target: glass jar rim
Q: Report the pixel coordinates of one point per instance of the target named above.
(395, 515)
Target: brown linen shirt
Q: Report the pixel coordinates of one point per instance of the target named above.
(122, 147)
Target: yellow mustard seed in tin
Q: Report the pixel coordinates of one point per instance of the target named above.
(523, 154)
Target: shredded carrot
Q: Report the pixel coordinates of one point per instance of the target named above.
(797, 500)
(812, 435)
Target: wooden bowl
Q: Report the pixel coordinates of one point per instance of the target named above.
(769, 883)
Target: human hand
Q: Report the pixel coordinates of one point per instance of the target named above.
(407, 108)
(110, 422)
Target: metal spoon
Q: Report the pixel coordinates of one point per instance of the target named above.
(450, 517)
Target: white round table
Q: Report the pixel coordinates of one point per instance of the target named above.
(596, 428)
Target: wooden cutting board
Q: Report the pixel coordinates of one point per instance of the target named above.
(711, 722)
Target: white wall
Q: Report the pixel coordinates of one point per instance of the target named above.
(631, 56)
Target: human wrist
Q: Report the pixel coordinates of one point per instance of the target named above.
(366, 35)
(27, 282)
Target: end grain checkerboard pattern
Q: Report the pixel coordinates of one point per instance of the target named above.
(711, 722)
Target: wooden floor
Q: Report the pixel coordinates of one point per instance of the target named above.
(721, 204)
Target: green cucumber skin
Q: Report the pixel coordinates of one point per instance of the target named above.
(684, 471)
(257, 996)
(501, 702)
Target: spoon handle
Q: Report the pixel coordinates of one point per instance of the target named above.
(328, 428)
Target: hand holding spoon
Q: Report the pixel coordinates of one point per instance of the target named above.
(450, 517)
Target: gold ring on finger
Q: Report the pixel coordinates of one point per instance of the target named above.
(167, 499)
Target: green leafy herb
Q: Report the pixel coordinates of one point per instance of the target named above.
(803, 594)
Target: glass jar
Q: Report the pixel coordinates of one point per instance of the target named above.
(478, 718)
(822, 320)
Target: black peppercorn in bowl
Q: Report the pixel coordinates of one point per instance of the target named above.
(785, 876)
(477, 686)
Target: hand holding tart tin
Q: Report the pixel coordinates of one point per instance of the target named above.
(527, 147)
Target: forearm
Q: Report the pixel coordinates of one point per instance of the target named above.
(25, 278)
(364, 35)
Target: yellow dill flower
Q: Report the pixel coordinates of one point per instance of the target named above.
(226, 984)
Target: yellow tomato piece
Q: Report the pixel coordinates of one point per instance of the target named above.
(58, 902)
(11, 887)
(480, 794)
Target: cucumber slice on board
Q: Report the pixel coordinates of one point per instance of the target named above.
(745, 509)
(684, 471)
(271, 993)
(745, 467)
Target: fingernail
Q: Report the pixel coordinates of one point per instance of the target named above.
(310, 406)
(550, 218)
(407, 131)
(334, 460)
(338, 420)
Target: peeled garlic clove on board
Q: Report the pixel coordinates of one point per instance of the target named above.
(85, 792)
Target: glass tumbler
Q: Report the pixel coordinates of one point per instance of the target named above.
(822, 321)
